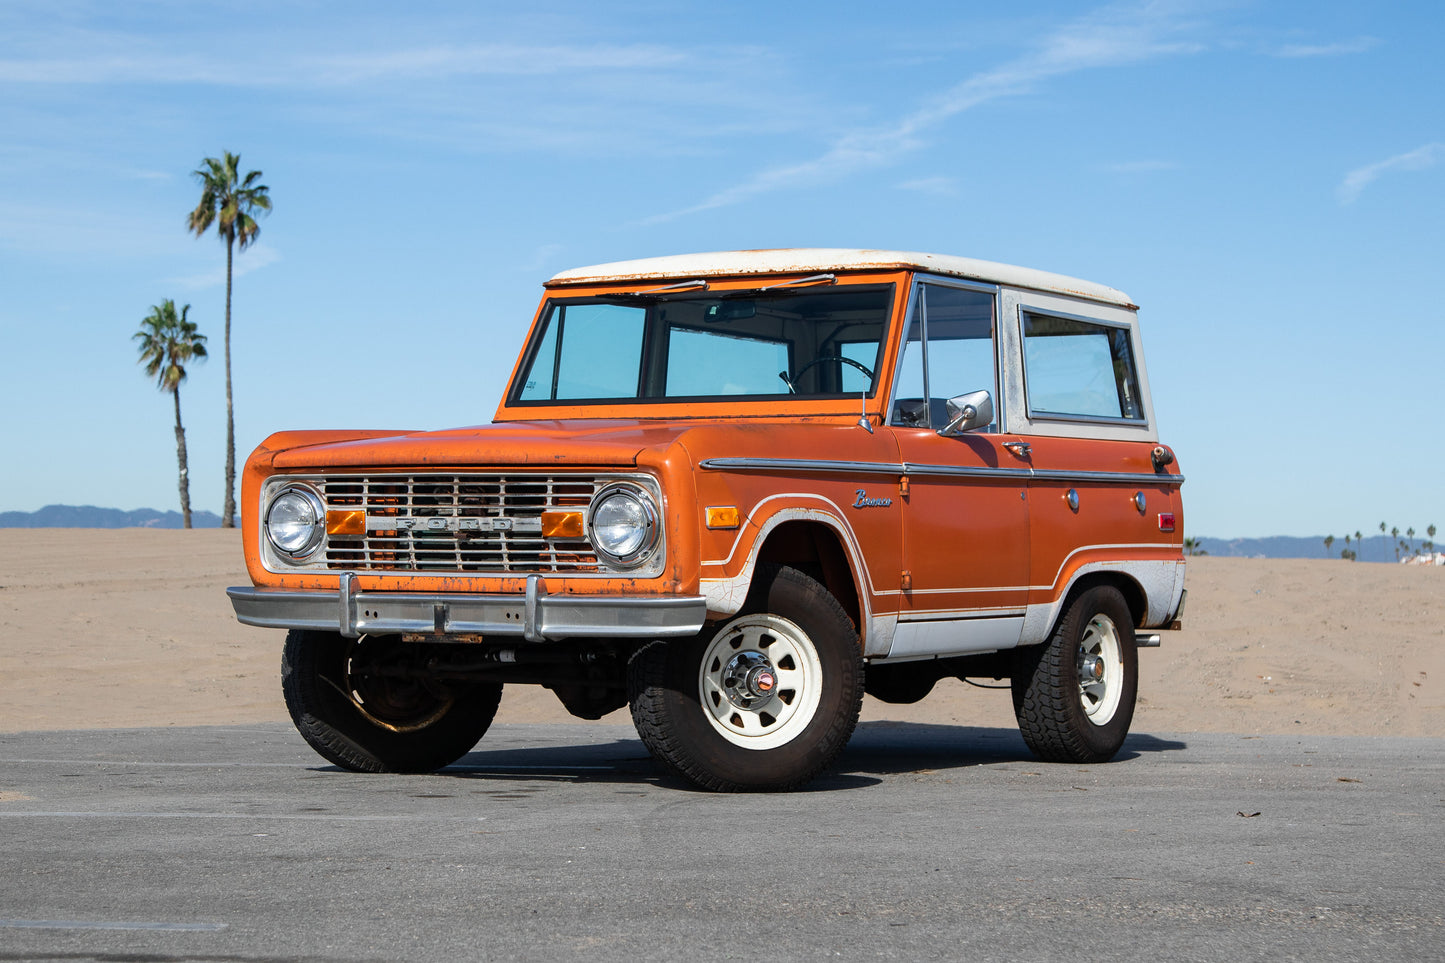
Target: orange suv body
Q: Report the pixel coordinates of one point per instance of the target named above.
(734, 491)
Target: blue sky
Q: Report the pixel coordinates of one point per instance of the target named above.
(1267, 180)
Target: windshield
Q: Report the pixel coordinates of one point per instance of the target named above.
(807, 343)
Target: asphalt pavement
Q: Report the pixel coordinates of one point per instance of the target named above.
(560, 841)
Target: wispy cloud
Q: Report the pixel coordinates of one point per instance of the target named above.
(80, 230)
(1338, 49)
(944, 186)
(1113, 36)
(255, 257)
(439, 62)
(498, 59)
(509, 91)
(542, 255)
(1418, 159)
(1140, 167)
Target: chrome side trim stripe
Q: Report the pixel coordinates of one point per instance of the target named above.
(911, 468)
(800, 464)
(957, 471)
(1107, 477)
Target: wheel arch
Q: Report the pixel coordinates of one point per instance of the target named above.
(1134, 594)
(812, 540)
(815, 549)
(1147, 587)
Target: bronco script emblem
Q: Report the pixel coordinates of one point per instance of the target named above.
(865, 502)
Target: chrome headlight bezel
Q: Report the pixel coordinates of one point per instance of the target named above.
(626, 555)
(317, 536)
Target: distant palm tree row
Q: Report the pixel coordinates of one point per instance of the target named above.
(168, 341)
(1402, 547)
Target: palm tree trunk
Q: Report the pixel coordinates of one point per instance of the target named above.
(228, 511)
(181, 457)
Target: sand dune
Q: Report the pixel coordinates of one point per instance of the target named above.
(131, 627)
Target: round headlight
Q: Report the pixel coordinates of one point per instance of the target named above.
(296, 522)
(623, 525)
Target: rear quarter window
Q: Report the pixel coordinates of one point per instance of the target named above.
(1076, 369)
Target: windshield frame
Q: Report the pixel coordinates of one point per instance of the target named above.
(514, 407)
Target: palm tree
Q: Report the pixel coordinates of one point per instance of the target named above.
(1192, 547)
(1329, 540)
(167, 342)
(228, 200)
(1395, 534)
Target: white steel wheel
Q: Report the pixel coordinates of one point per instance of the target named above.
(763, 702)
(760, 681)
(1101, 669)
(1074, 694)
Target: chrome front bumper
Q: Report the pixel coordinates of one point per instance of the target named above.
(535, 617)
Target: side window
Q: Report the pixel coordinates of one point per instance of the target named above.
(957, 326)
(1079, 369)
(588, 351)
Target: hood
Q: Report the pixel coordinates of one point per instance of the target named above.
(514, 443)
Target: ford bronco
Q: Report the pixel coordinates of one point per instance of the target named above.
(735, 492)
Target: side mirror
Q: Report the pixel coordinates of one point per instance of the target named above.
(967, 412)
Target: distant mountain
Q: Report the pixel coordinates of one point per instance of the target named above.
(1377, 548)
(88, 516)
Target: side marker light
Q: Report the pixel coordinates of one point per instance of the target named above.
(723, 516)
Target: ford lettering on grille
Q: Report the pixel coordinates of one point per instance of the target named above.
(391, 523)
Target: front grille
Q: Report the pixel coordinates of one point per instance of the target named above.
(484, 523)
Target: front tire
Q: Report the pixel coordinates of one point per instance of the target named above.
(1074, 695)
(763, 702)
(353, 702)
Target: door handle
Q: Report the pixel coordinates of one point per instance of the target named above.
(1019, 448)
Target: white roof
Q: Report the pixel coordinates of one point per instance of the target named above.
(827, 259)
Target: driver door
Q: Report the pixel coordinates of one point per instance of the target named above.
(965, 517)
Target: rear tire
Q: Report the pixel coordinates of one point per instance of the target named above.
(355, 714)
(764, 701)
(1074, 695)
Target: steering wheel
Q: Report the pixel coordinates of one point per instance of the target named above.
(817, 361)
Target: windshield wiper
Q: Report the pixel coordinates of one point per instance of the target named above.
(656, 294)
(796, 282)
(812, 279)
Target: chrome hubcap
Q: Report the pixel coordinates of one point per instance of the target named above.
(749, 679)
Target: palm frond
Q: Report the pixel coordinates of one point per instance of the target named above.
(227, 199)
(167, 342)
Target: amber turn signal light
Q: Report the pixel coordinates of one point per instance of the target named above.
(561, 524)
(346, 523)
(722, 516)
